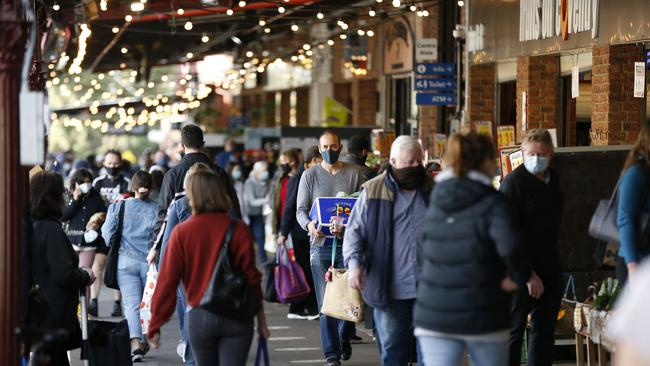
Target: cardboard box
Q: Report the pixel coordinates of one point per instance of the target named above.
(324, 208)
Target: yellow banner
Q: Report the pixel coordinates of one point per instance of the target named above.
(336, 114)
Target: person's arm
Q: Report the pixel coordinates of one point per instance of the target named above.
(508, 240)
(64, 272)
(70, 209)
(511, 189)
(354, 239)
(110, 225)
(289, 215)
(172, 221)
(243, 256)
(165, 198)
(630, 205)
(303, 201)
(163, 302)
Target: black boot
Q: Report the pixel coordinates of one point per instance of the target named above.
(93, 308)
(117, 309)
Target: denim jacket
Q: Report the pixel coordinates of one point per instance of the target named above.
(138, 227)
(178, 211)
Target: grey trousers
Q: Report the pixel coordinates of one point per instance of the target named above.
(218, 341)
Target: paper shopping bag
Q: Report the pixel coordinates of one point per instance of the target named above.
(145, 305)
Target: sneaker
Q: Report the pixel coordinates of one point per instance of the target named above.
(93, 308)
(145, 349)
(137, 355)
(117, 309)
(180, 350)
(333, 362)
(313, 317)
(346, 350)
(297, 316)
(355, 339)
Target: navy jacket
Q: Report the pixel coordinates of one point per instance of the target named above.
(470, 243)
(378, 235)
(289, 223)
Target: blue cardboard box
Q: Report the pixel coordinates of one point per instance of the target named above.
(324, 208)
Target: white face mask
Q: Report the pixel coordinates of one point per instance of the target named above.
(85, 187)
(536, 164)
(90, 236)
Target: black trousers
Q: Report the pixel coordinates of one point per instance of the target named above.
(301, 251)
(218, 341)
(541, 338)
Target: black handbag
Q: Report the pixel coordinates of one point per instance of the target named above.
(228, 294)
(110, 274)
(108, 343)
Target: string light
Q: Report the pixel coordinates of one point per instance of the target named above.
(372, 12)
(361, 32)
(188, 26)
(137, 7)
(56, 7)
(397, 3)
(281, 9)
(242, 4)
(262, 22)
(180, 11)
(343, 36)
(75, 68)
(306, 46)
(128, 18)
(267, 30)
(103, 5)
(249, 54)
(413, 7)
(189, 55)
(370, 33)
(461, 3)
(115, 29)
(205, 39)
(295, 28)
(124, 50)
(230, 12)
(330, 42)
(320, 15)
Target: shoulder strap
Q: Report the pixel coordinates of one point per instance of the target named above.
(228, 237)
(120, 218)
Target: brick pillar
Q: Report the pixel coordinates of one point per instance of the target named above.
(616, 116)
(285, 107)
(429, 124)
(364, 102)
(302, 107)
(482, 93)
(538, 76)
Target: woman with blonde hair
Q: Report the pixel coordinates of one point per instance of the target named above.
(472, 256)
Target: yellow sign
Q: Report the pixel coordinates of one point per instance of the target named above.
(506, 136)
(484, 128)
(336, 114)
(441, 143)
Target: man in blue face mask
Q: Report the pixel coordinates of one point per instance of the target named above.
(326, 180)
(535, 193)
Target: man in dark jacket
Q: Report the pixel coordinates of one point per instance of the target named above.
(358, 149)
(114, 183)
(535, 193)
(380, 244)
(192, 139)
(289, 225)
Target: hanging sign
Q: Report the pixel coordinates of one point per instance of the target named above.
(435, 99)
(426, 49)
(435, 84)
(575, 82)
(639, 79)
(443, 68)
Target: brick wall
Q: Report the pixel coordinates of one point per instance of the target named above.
(616, 116)
(428, 27)
(364, 97)
(482, 93)
(538, 76)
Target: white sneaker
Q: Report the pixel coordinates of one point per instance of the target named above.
(313, 317)
(180, 350)
(296, 316)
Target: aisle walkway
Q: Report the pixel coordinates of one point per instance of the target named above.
(293, 342)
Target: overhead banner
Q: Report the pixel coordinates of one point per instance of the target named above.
(336, 114)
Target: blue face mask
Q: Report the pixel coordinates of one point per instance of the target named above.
(236, 174)
(331, 156)
(536, 164)
(264, 175)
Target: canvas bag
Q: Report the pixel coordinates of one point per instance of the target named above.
(290, 282)
(341, 301)
(147, 296)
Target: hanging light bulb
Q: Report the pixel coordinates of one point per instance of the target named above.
(180, 11)
(306, 46)
(330, 42)
(397, 3)
(320, 15)
(189, 55)
(137, 7)
(128, 18)
(115, 29)
(56, 7)
(461, 3)
(242, 4)
(361, 32)
(230, 12)
(425, 13)
(188, 26)
(372, 12)
(124, 50)
(370, 33)
(295, 28)
(281, 9)
(249, 54)
(205, 39)
(413, 7)
(343, 36)
(262, 22)
(267, 30)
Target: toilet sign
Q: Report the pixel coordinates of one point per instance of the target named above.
(426, 50)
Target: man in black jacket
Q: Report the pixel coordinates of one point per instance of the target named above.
(534, 190)
(192, 140)
(307, 309)
(358, 149)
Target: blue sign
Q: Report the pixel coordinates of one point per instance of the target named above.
(435, 84)
(443, 68)
(237, 122)
(435, 99)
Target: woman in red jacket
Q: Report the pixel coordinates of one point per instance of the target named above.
(191, 256)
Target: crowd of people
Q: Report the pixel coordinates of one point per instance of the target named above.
(447, 266)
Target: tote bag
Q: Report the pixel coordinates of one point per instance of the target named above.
(341, 301)
(290, 282)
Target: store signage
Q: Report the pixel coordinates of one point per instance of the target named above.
(444, 68)
(476, 38)
(426, 50)
(435, 99)
(435, 84)
(575, 82)
(541, 19)
(639, 79)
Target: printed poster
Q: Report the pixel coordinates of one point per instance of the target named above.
(505, 136)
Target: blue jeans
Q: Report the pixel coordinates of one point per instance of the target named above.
(257, 227)
(333, 331)
(131, 277)
(395, 331)
(448, 351)
(181, 312)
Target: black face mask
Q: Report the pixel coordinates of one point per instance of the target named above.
(114, 171)
(285, 169)
(409, 178)
(363, 159)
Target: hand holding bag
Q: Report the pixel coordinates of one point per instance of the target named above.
(228, 294)
(110, 273)
(341, 301)
(290, 282)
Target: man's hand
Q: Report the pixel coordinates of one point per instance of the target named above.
(151, 257)
(313, 232)
(282, 240)
(154, 340)
(91, 274)
(508, 285)
(356, 278)
(535, 286)
(631, 269)
(336, 227)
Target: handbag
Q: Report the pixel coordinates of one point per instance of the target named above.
(110, 273)
(340, 300)
(228, 294)
(565, 317)
(290, 282)
(603, 224)
(147, 296)
(262, 353)
(109, 343)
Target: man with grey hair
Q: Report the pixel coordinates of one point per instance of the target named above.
(379, 247)
(534, 190)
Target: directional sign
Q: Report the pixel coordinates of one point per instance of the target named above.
(443, 68)
(435, 99)
(435, 84)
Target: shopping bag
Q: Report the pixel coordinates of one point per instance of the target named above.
(262, 353)
(565, 317)
(145, 304)
(109, 343)
(290, 282)
(340, 300)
